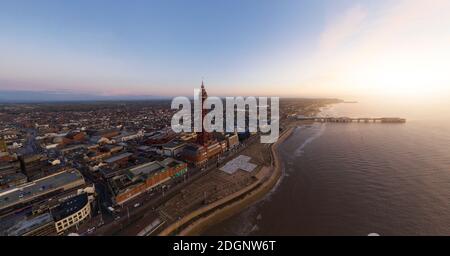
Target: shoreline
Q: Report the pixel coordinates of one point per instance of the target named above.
(197, 221)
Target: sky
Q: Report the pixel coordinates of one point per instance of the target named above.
(385, 49)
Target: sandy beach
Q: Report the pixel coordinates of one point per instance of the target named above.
(195, 222)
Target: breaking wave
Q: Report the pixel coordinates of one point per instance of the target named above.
(300, 150)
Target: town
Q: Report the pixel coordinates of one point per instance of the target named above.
(108, 168)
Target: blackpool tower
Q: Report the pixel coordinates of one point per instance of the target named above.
(203, 137)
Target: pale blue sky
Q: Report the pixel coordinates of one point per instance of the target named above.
(166, 47)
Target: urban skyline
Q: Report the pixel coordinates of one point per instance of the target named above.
(224, 118)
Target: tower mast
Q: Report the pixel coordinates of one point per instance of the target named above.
(203, 136)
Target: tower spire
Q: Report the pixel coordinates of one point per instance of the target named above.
(203, 136)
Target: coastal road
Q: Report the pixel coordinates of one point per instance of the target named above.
(148, 202)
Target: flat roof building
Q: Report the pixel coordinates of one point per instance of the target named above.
(12, 180)
(35, 190)
(143, 177)
(54, 221)
(40, 225)
(173, 148)
(71, 212)
(119, 158)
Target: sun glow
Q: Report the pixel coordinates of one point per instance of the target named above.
(400, 78)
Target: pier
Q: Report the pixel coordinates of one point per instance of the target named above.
(353, 120)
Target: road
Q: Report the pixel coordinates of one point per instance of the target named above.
(106, 223)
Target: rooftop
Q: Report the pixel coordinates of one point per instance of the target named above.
(146, 169)
(239, 163)
(174, 144)
(40, 187)
(140, 173)
(69, 207)
(26, 226)
(118, 157)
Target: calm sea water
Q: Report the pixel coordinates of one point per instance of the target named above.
(356, 179)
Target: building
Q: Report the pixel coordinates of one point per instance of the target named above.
(33, 165)
(112, 148)
(71, 213)
(136, 180)
(41, 225)
(74, 137)
(3, 147)
(189, 137)
(120, 160)
(124, 136)
(5, 157)
(65, 214)
(12, 180)
(97, 155)
(172, 149)
(161, 137)
(9, 167)
(198, 155)
(108, 133)
(205, 148)
(195, 154)
(232, 141)
(72, 149)
(39, 190)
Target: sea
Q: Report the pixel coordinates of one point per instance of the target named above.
(358, 179)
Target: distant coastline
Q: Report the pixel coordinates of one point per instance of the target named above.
(58, 97)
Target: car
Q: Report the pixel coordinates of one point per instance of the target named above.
(137, 205)
(90, 230)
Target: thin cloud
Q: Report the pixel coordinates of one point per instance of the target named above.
(401, 51)
(340, 31)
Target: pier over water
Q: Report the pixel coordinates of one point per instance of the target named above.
(353, 120)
